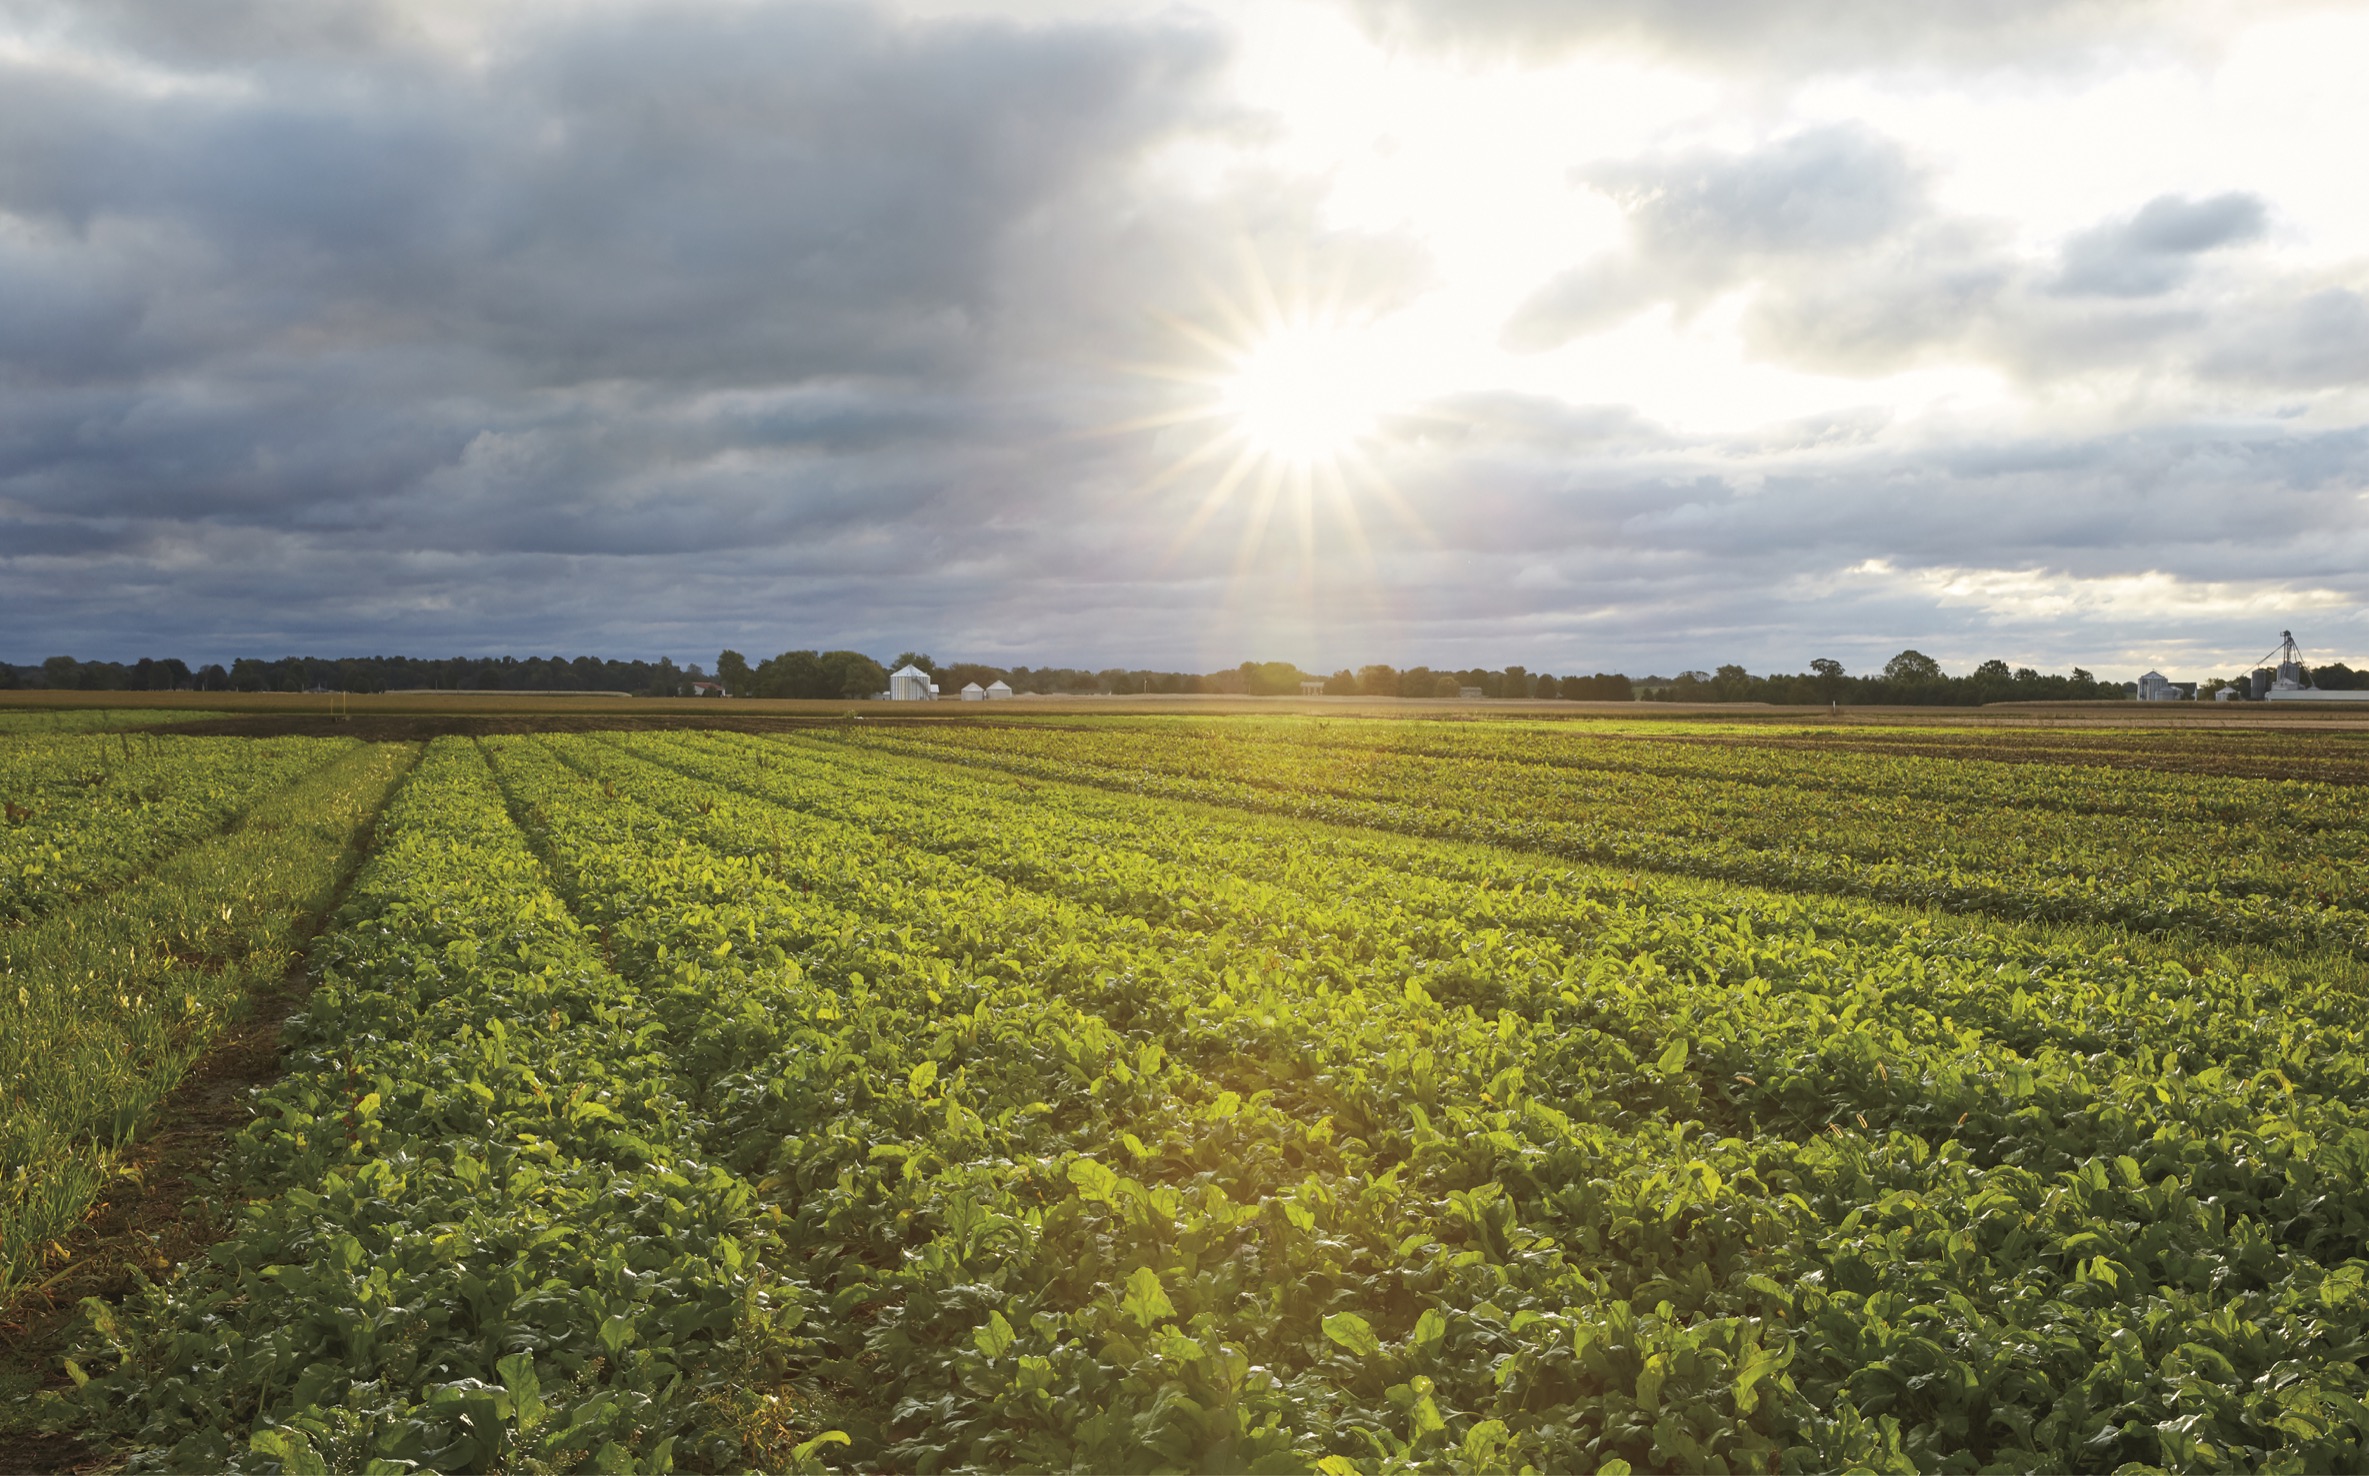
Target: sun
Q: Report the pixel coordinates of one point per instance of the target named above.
(1280, 411)
(1303, 394)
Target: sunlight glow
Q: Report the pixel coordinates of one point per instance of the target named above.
(1305, 394)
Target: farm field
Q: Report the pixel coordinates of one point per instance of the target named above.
(1281, 1094)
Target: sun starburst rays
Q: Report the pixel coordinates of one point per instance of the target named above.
(1280, 399)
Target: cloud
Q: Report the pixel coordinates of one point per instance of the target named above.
(1703, 221)
(1849, 267)
(2306, 340)
(1791, 35)
(649, 328)
(2154, 250)
(511, 301)
(2051, 596)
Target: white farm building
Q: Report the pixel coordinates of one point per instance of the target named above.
(911, 684)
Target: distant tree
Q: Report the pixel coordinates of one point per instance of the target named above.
(61, 671)
(851, 674)
(1994, 670)
(1342, 683)
(1271, 678)
(1514, 683)
(732, 669)
(913, 658)
(1377, 681)
(1446, 685)
(1912, 666)
(9, 680)
(790, 674)
(1828, 674)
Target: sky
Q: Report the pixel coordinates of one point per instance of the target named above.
(1625, 335)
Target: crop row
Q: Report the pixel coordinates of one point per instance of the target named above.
(108, 1001)
(2226, 880)
(2058, 1131)
(1060, 1127)
(486, 1237)
(1946, 776)
(85, 813)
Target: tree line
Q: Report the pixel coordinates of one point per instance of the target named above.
(660, 678)
(1910, 678)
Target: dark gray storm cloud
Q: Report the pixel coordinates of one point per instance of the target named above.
(655, 281)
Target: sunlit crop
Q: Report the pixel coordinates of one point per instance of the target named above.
(1239, 1096)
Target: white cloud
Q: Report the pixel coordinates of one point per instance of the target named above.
(2013, 596)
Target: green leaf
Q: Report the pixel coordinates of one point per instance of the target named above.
(615, 1333)
(1093, 1180)
(1353, 1333)
(995, 1339)
(919, 1080)
(1481, 1444)
(1649, 1383)
(296, 1454)
(805, 1451)
(1425, 1420)
(1673, 1057)
(1430, 1328)
(1146, 1300)
(1333, 1465)
(1757, 1365)
(526, 1390)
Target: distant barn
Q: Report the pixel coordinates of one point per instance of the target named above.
(910, 684)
